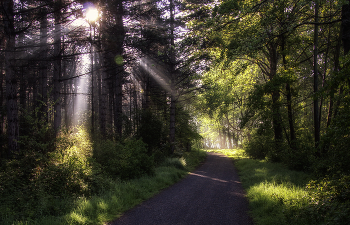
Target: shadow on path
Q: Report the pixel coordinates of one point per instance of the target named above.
(212, 194)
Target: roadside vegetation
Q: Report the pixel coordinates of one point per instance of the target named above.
(86, 182)
(278, 195)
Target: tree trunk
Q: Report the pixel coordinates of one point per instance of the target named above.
(346, 27)
(103, 103)
(11, 80)
(334, 87)
(172, 78)
(43, 63)
(316, 109)
(276, 114)
(2, 99)
(345, 36)
(57, 67)
(119, 76)
(289, 99)
(22, 74)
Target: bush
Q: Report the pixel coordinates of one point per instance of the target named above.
(151, 131)
(128, 160)
(179, 163)
(329, 201)
(37, 181)
(37, 135)
(299, 158)
(258, 147)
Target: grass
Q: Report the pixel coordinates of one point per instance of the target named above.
(276, 194)
(120, 196)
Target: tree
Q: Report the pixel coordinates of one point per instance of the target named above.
(11, 80)
(274, 36)
(57, 65)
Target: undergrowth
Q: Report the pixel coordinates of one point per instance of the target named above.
(80, 181)
(278, 195)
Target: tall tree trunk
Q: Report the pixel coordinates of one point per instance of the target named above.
(92, 37)
(316, 109)
(172, 80)
(11, 80)
(276, 114)
(22, 73)
(289, 99)
(43, 63)
(334, 87)
(135, 118)
(57, 67)
(346, 27)
(103, 103)
(345, 36)
(119, 75)
(2, 99)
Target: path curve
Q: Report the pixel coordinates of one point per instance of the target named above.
(211, 195)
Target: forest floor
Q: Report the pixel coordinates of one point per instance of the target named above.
(212, 194)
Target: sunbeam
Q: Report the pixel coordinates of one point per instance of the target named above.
(81, 98)
(157, 72)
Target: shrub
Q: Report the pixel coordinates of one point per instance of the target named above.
(37, 135)
(151, 131)
(35, 182)
(299, 158)
(179, 163)
(258, 147)
(128, 160)
(329, 201)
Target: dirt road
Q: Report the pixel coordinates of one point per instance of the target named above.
(212, 194)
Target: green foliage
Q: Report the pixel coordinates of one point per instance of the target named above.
(128, 160)
(186, 130)
(278, 195)
(300, 158)
(336, 143)
(23, 203)
(37, 135)
(259, 147)
(37, 184)
(151, 130)
(328, 201)
(178, 163)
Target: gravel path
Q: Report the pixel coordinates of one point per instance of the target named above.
(212, 194)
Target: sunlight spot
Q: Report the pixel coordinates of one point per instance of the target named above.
(77, 218)
(216, 179)
(102, 205)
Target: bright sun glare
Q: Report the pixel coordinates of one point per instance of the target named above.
(92, 14)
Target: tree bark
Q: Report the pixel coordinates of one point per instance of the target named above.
(316, 109)
(289, 99)
(11, 80)
(346, 27)
(276, 114)
(119, 76)
(43, 63)
(336, 69)
(103, 103)
(172, 78)
(57, 67)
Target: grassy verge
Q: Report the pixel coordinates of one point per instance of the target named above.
(276, 195)
(120, 195)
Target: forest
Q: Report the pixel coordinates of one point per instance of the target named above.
(97, 91)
